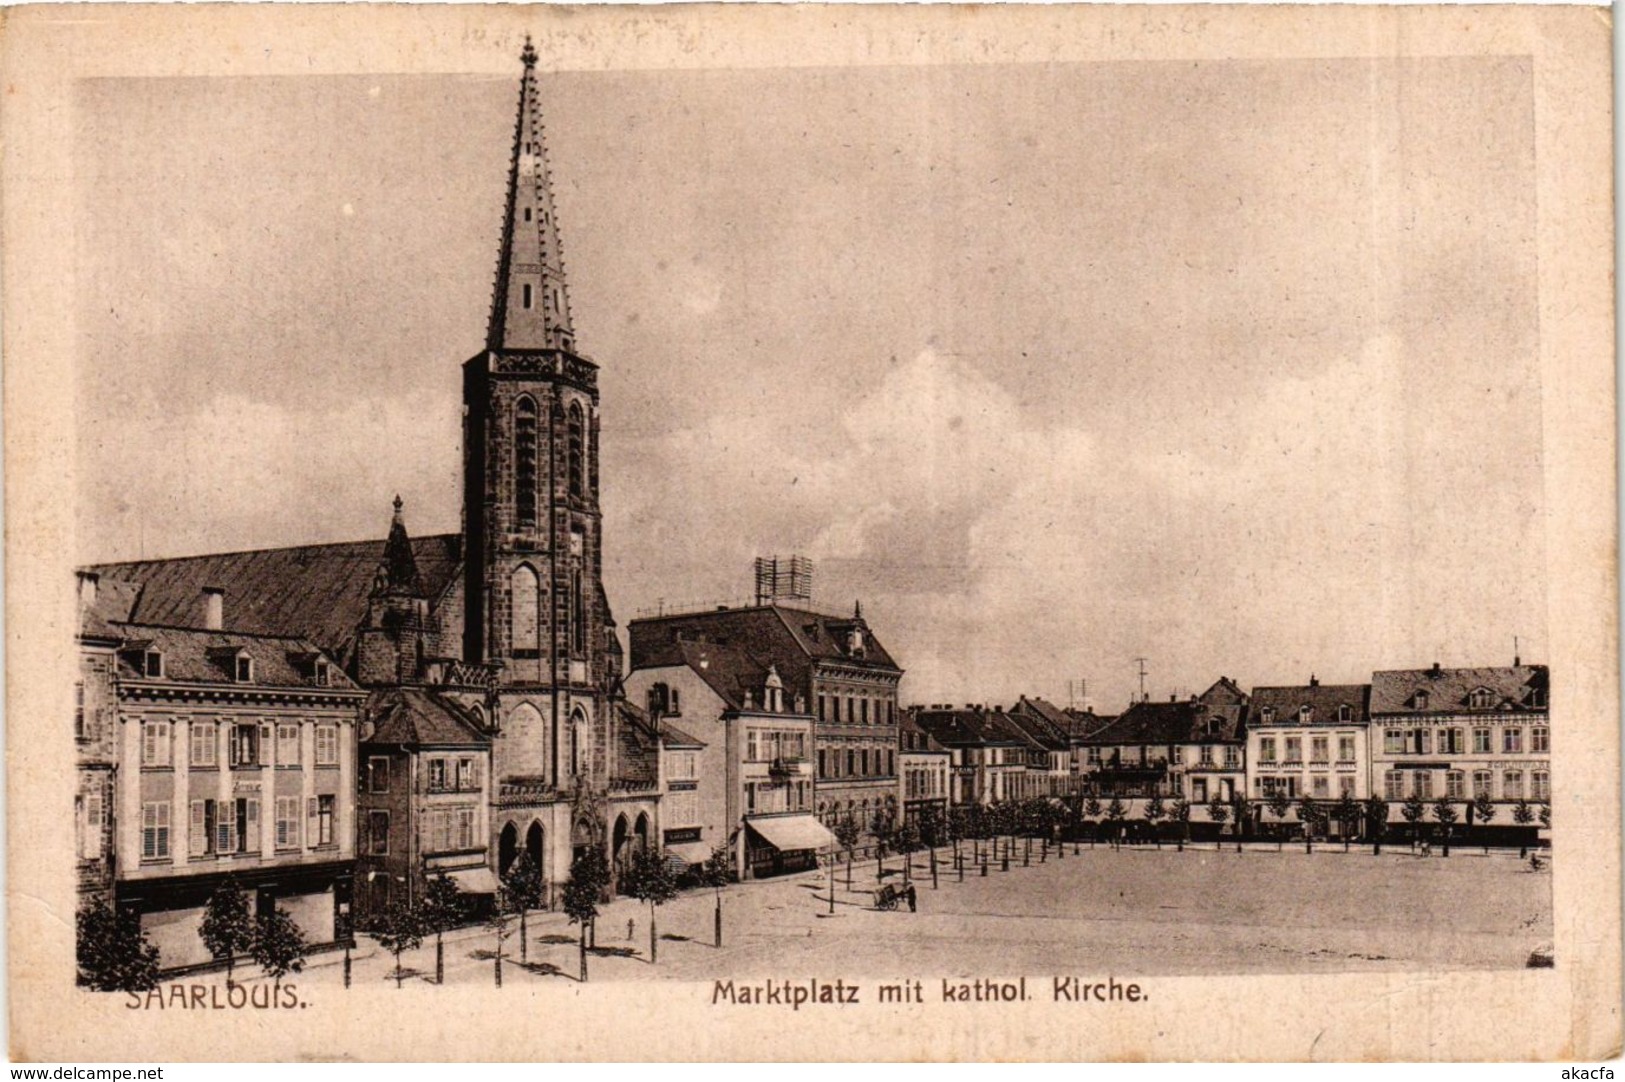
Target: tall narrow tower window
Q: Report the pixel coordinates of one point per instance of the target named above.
(576, 438)
(526, 611)
(525, 297)
(524, 460)
(578, 618)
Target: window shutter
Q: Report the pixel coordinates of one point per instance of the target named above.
(93, 825)
(198, 835)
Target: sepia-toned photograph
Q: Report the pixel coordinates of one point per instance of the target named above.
(780, 532)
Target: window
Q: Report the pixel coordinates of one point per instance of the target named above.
(1345, 749)
(246, 816)
(200, 837)
(1422, 784)
(753, 747)
(1481, 783)
(155, 830)
(1393, 741)
(1540, 738)
(287, 822)
(1266, 749)
(245, 669)
(91, 825)
(891, 763)
(527, 209)
(324, 819)
(1451, 742)
(851, 710)
(891, 712)
(1093, 755)
(322, 677)
(287, 745)
(676, 703)
(525, 299)
(1175, 758)
(1482, 699)
(155, 743)
(1306, 715)
(1320, 786)
(823, 771)
(1345, 714)
(1392, 783)
(377, 774)
(525, 614)
(1481, 742)
(820, 706)
(437, 775)
(1205, 755)
(1422, 741)
(79, 711)
(1511, 740)
(863, 761)
(465, 828)
(203, 745)
(1345, 785)
(378, 831)
(1512, 785)
(1420, 700)
(851, 762)
(865, 710)
(465, 774)
(1542, 783)
(578, 613)
(327, 745)
(1455, 785)
(1198, 790)
(1320, 749)
(152, 664)
(1537, 698)
(244, 745)
(575, 436)
(1294, 749)
(1232, 757)
(524, 461)
(1266, 716)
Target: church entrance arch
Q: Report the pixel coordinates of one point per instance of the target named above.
(507, 848)
(533, 845)
(640, 833)
(619, 849)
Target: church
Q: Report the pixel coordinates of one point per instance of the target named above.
(493, 723)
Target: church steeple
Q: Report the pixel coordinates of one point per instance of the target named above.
(530, 306)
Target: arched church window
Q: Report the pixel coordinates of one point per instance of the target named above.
(578, 615)
(526, 610)
(578, 744)
(575, 438)
(524, 461)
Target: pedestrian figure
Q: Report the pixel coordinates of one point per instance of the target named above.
(911, 908)
(631, 927)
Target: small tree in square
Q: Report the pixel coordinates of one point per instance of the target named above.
(1115, 814)
(112, 952)
(227, 929)
(1523, 815)
(523, 884)
(400, 929)
(589, 875)
(1483, 814)
(1413, 810)
(1308, 814)
(649, 879)
(279, 946)
(1180, 813)
(1546, 816)
(1092, 812)
(1279, 805)
(444, 908)
(1218, 811)
(847, 832)
(1445, 812)
(1155, 811)
(1376, 821)
(716, 873)
(498, 923)
(1238, 815)
(1348, 818)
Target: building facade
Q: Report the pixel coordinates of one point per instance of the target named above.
(988, 752)
(1309, 740)
(927, 771)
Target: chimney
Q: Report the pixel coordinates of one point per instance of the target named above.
(1173, 698)
(87, 588)
(214, 608)
(1435, 670)
(1314, 682)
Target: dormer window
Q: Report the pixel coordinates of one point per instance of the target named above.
(1306, 714)
(1537, 698)
(322, 676)
(152, 664)
(1345, 714)
(676, 703)
(1267, 715)
(243, 670)
(1420, 700)
(1481, 699)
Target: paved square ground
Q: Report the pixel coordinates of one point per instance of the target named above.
(1138, 910)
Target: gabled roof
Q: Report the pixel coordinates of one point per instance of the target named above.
(1183, 722)
(910, 733)
(970, 727)
(673, 737)
(193, 656)
(417, 717)
(1513, 688)
(1223, 692)
(1085, 723)
(1042, 722)
(1323, 700)
(318, 592)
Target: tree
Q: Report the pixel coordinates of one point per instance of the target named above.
(279, 946)
(1218, 811)
(502, 907)
(1445, 813)
(648, 878)
(1308, 814)
(1092, 812)
(1180, 813)
(1413, 810)
(717, 872)
(1155, 811)
(1238, 815)
(444, 908)
(847, 833)
(589, 875)
(880, 828)
(1523, 815)
(1279, 805)
(1483, 814)
(1115, 814)
(1348, 817)
(907, 840)
(227, 929)
(1376, 821)
(113, 952)
(1546, 816)
(524, 887)
(400, 929)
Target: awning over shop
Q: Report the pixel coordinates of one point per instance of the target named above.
(690, 852)
(474, 880)
(787, 833)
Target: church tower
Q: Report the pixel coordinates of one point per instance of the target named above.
(533, 606)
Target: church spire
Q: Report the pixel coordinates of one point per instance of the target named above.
(530, 307)
(398, 573)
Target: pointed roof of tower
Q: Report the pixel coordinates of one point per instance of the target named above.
(399, 571)
(530, 306)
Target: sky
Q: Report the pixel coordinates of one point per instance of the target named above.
(1231, 366)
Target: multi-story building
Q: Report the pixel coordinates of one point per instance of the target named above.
(683, 831)
(988, 752)
(750, 740)
(1049, 756)
(1309, 739)
(835, 665)
(95, 737)
(504, 626)
(1192, 749)
(926, 767)
(234, 759)
(1459, 733)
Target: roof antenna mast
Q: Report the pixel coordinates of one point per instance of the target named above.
(1141, 661)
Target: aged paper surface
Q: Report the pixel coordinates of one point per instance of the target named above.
(1451, 335)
